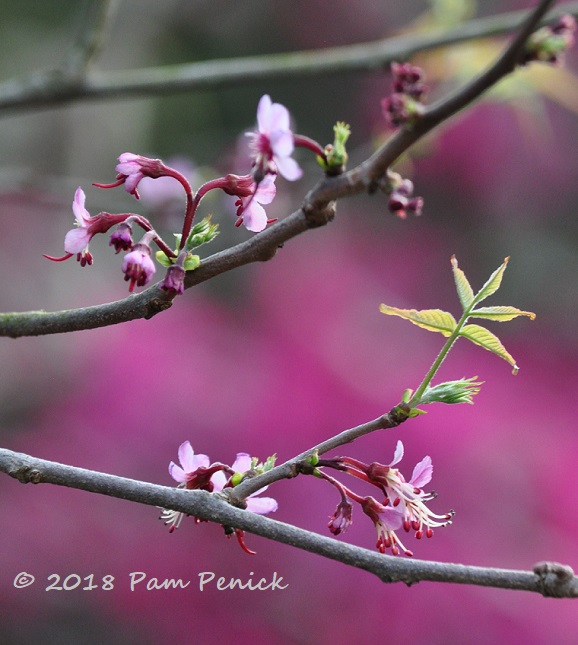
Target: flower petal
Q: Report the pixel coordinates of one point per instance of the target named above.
(282, 143)
(126, 157)
(132, 181)
(189, 461)
(242, 462)
(422, 473)
(219, 479)
(398, 454)
(177, 473)
(80, 213)
(254, 217)
(266, 190)
(277, 118)
(76, 240)
(263, 113)
(289, 168)
(262, 505)
(391, 518)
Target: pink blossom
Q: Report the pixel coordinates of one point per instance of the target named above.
(190, 463)
(121, 239)
(250, 196)
(249, 208)
(138, 266)
(174, 281)
(273, 144)
(77, 239)
(259, 505)
(341, 520)
(132, 168)
(196, 472)
(400, 200)
(387, 519)
(408, 497)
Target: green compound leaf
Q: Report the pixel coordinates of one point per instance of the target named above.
(493, 283)
(431, 319)
(484, 338)
(465, 291)
(501, 314)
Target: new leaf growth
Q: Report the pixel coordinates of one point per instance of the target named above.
(437, 320)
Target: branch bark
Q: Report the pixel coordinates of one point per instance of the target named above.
(548, 579)
(58, 87)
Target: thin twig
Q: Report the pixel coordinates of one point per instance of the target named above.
(47, 89)
(291, 467)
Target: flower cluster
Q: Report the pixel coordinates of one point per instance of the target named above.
(550, 43)
(197, 473)
(403, 506)
(272, 146)
(405, 103)
(401, 201)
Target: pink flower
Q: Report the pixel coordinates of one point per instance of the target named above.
(400, 199)
(77, 239)
(273, 144)
(250, 196)
(132, 168)
(405, 104)
(387, 520)
(138, 266)
(121, 239)
(249, 208)
(190, 463)
(341, 520)
(196, 472)
(259, 505)
(408, 497)
(174, 281)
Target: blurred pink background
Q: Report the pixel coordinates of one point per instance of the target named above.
(276, 357)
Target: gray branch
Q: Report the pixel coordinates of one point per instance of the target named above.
(548, 578)
(65, 85)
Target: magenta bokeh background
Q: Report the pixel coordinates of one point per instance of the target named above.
(277, 357)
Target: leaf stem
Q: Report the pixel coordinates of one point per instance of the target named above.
(416, 398)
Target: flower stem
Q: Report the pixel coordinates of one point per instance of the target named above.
(302, 141)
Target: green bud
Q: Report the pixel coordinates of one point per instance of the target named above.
(259, 468)
(314, 458)
(269, 463)
(407, 396)
(163, 259)
(335, 154)
(201, 233)
(236, 479)
(191, 262)
(461, 391)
